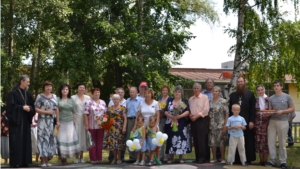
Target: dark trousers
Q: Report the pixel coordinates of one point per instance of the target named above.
(218, 154)
(290, 136)
(130, 125)
(200, 138)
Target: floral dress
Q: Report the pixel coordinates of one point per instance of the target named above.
(217, 114)
(261, 123)
(4, 136)
(116, 139)
(4, 124)
(177, 142)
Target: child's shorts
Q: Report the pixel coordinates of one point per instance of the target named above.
(143, 149)
(150, 146)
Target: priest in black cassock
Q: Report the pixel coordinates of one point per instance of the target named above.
(20, 110)
(245, 98)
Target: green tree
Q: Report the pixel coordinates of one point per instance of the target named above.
(266, 44)
(130, 41)
(106, 44)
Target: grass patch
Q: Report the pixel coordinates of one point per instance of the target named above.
(292, 153)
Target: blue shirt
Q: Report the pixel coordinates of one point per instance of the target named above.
(209, 94)
(236, 121)
(132, 106)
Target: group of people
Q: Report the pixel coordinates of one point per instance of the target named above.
(201, 121)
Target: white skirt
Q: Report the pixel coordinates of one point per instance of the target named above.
(34, 140)
(68, 144)
(80, 130)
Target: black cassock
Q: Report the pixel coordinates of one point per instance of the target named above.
(19, 126)
(248, 112)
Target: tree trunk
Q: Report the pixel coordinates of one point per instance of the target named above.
(38, 66)
(33, 70)
(10, 52)
(239, 43)
(139, 27)
(118, 74)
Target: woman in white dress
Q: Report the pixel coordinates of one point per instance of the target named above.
(79, 101)
(148, 107)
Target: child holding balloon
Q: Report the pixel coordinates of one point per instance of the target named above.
(141, 134)
(151, 133)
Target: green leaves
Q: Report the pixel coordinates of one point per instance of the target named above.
(269, 43)
(106, 44)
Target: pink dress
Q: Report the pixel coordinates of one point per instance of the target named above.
(261, 123)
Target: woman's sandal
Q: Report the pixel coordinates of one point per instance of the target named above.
(170, 161)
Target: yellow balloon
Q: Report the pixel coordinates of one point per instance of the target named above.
(161, 141)
(133, 147)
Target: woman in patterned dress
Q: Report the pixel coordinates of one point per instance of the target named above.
(46, 107)
(218, 114)
(177, 142)
(116, 137)
(79, 99)
(67, 137)
(4, 137)
(93, 108)
(261, 123)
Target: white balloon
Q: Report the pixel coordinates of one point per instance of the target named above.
(158, 144)
(154, 141)
(138, 147)
(159, 135)
(129, 143)
(130, 149)
(165, 136)
(136, 141)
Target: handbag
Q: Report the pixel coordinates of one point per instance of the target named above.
(55, 133)
(89, 140)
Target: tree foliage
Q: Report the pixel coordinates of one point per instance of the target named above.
(106, 44)
(267, 44)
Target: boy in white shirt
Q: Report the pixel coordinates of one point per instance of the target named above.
(236, 124)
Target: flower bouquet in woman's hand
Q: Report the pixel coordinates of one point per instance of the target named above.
(177, 110)
(105, 121)
(162, 106)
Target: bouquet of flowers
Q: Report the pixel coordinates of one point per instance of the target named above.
(177, 109)
(162, 106)
(105, 121)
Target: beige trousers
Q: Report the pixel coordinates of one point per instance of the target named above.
(279, 128)
(239, 143)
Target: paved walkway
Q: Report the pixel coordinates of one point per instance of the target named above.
(187, 165)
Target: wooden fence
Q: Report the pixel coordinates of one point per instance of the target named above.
(296, 132)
